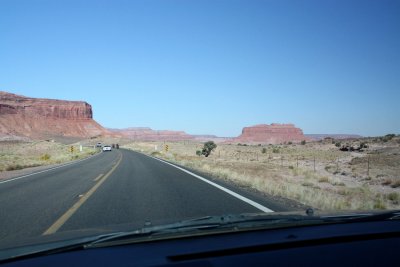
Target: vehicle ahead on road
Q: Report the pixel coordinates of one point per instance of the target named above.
(106, 148)
(290, 239)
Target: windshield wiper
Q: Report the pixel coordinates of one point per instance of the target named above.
(209, 223)
(240, 222)
(203, 225)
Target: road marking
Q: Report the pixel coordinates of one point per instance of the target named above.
(64, 218)
(98, 177)
(245, 199)
(66, 164)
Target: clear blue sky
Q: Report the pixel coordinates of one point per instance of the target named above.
(210, 67)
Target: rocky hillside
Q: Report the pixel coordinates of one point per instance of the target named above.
(270, 134)
(46, 118)
(148, 134)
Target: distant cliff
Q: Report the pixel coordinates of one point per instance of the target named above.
(44, 118)
(270, 134)
(148, 134)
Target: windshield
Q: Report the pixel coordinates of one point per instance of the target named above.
(119, 115)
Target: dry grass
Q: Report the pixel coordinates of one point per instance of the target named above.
(20, 155)
(314, 174)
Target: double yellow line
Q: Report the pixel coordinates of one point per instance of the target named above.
(62, 220)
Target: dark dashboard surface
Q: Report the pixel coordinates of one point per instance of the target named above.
(350, 244)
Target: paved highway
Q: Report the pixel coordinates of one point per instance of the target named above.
(114, 190)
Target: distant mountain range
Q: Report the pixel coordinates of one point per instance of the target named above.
(37, 118)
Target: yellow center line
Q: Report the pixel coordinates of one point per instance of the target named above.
(63, 219)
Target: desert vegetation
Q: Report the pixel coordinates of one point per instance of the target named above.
(17, 155)
(317, 174)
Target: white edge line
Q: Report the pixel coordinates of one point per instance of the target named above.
(245, 199)
(66, 164)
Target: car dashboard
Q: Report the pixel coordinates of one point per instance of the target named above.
(341, 244)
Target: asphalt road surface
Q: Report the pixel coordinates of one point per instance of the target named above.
(114, 190)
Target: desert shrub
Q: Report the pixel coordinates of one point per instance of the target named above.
(14, 167)
(291, 167)
(208, 147)
(395, 184)
(363, 145)
(390, 136)
(264, 150)
(387, 182)
(155, 153)
(327, 168)
(289, 143)
(303, 142)
(394, 196)
(387, 137)
(338, 144)
(379, 204)
(338, 184)
(45, 157)
(323, 179)
(275, 150)
(198, 153)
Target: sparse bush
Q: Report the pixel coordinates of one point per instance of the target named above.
(387, 137)
(394, 197)
(338, 144)
(327, 168)
(198, 153)
(363, 145)
(264, 150)
(390, 136)
(395, 184)
(275, 150)
(307, 184)
(45, 157)
(323, 179)
(290, 142)
(379, 204)
(343, 192)
(208, 148)
(14, 167)
(155, 153)
(303, 142)
(387, 182)
(291, 167)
